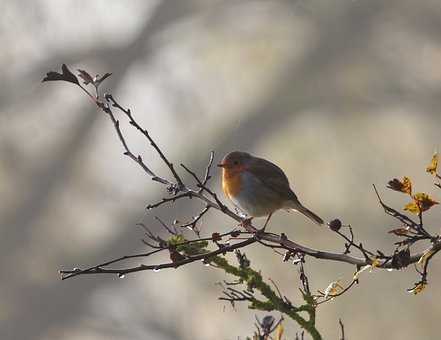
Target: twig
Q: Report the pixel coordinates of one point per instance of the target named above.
(77, 271)
(133, 122)
(128, 152)
(400, 258)
(166, 227)
(202, 187)
(331, 297)
(142, 267)
(394, 213)
(350, 243)
(192, 224)
(342, 327)
(207, 171)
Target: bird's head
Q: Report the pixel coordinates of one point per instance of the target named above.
(235, 161)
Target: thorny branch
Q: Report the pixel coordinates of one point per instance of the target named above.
(182, 251)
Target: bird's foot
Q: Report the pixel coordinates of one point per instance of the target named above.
(266, 223)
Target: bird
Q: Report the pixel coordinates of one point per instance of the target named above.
(258, 187)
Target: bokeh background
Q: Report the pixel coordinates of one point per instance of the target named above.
(341, 94)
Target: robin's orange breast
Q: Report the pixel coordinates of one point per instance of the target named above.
(231, 182)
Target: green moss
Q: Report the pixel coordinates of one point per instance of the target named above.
(254, 281)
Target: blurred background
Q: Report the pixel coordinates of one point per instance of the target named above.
(341, 94)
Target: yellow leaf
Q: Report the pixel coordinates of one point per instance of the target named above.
(279, 332)
(412, 207)
(433, 164)
(418, 288)
(405, 185)
(423, 201)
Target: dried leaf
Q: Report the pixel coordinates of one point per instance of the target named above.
(421, 202)
(405, 185)
(433, 164)
(279, 332)
(424, 201)
(395, 184)
(67, 75)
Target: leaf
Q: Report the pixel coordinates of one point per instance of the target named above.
(424, 201)
(279, 331)
(395, 184)
(412, 207)
(176, 239)
(67, 75)
(421, 202)
(418, 288)
(433, 164)
(405, 185)
(87, 78)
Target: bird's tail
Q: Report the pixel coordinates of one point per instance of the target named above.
(297, 206)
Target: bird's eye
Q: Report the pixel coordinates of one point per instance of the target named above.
(236, 162)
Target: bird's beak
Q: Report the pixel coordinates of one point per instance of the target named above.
(220, 165)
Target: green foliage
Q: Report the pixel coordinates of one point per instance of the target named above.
(254, 281)
(188, 248)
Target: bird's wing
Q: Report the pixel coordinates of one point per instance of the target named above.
(272, 177)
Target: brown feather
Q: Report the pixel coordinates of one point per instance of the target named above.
(272, 177)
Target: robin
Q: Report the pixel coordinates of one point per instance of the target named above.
(259, 187)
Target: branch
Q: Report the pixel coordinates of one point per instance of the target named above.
(182, 251)
(253, 280)
(342, 327)
(66, 274)
(133, 122)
